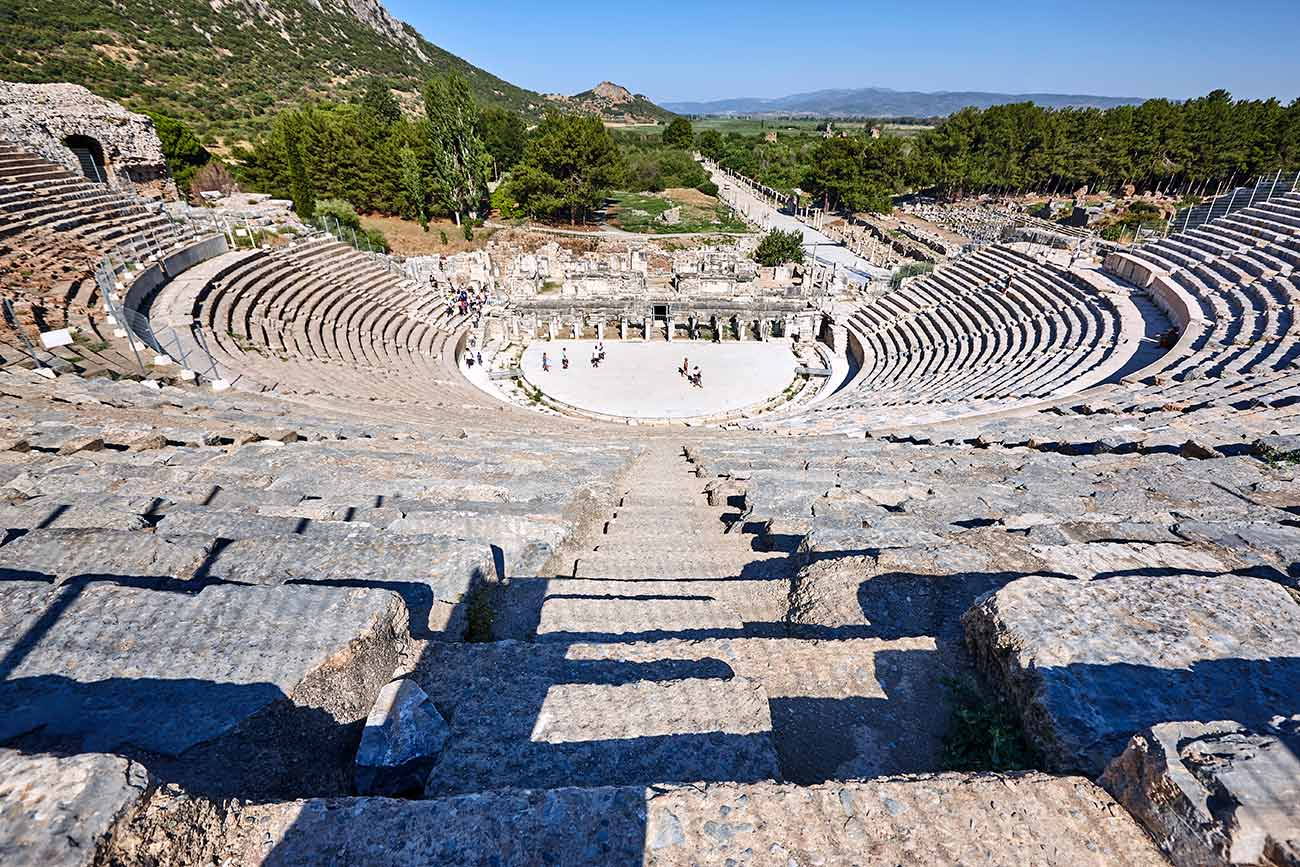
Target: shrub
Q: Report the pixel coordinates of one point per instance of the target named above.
(983, 734)
(779, 248)
(709, 188)
(911, 269)
(214, 176)
(442, 236)
(340, 211)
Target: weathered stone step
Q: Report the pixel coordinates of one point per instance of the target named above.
(917, 821)
(660, 531)
(761, 603)
(842, 708)
(632, 617)
(60, 554)
(524, 716)
(647, 512)
(625, 561)
(231, 689)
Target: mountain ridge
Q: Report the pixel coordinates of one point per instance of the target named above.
(226, 67)
(887, 102)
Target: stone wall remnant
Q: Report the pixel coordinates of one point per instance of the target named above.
(41, 118)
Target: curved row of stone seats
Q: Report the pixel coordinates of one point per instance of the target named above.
(1240, 273)
(957, 335)
(56, 228)
(36, 193)
(322, 317)
(1201, 418)
(216, 589)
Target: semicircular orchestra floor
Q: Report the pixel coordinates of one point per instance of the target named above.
(641, 380)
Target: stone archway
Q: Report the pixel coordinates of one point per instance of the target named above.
(90, 156)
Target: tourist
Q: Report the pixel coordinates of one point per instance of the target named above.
(478, 356)
(686, 367)
(600, 348)
(564, 359)
(546, 362)
(595, 358)
(697, 378)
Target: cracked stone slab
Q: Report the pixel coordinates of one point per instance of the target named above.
(1090, 663)
(403, 737)
(68, 553)
(920, 821)
(1103, 559)
(231, 680)
(1216, 793)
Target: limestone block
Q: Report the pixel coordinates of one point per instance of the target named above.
(57, 812)
(403, 737)
(247, 690)
(1089, 663)
(68, 553)
(81, 444)
(1216, 793)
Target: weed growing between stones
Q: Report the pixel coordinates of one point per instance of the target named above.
(984, 734)
(1278, 458)
(480, 614)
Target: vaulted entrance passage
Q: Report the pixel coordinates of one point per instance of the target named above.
(90, 156)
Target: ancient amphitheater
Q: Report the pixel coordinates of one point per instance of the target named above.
(286, 581)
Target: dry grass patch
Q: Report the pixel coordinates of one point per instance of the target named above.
(406, 238)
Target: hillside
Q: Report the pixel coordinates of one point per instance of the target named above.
(614, 103)
(883, 102)
(226, 66)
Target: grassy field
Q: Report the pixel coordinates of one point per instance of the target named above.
(638, 212)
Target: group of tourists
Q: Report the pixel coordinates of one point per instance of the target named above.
(693, 375)
(464, 302)
(597, 356)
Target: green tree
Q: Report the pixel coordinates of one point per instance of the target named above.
(570, 165)
(459, 159)
(710, 143)
(857, 174)
(182, 150)
(504, 134)
(300, 188)
(780, 248)
(380, 103)
(679, 133)
(415, 189)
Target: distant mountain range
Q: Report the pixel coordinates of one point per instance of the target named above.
(883, 102)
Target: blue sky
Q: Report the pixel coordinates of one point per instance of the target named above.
(673, 50)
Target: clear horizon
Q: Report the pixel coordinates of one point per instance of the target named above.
(683, 52)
